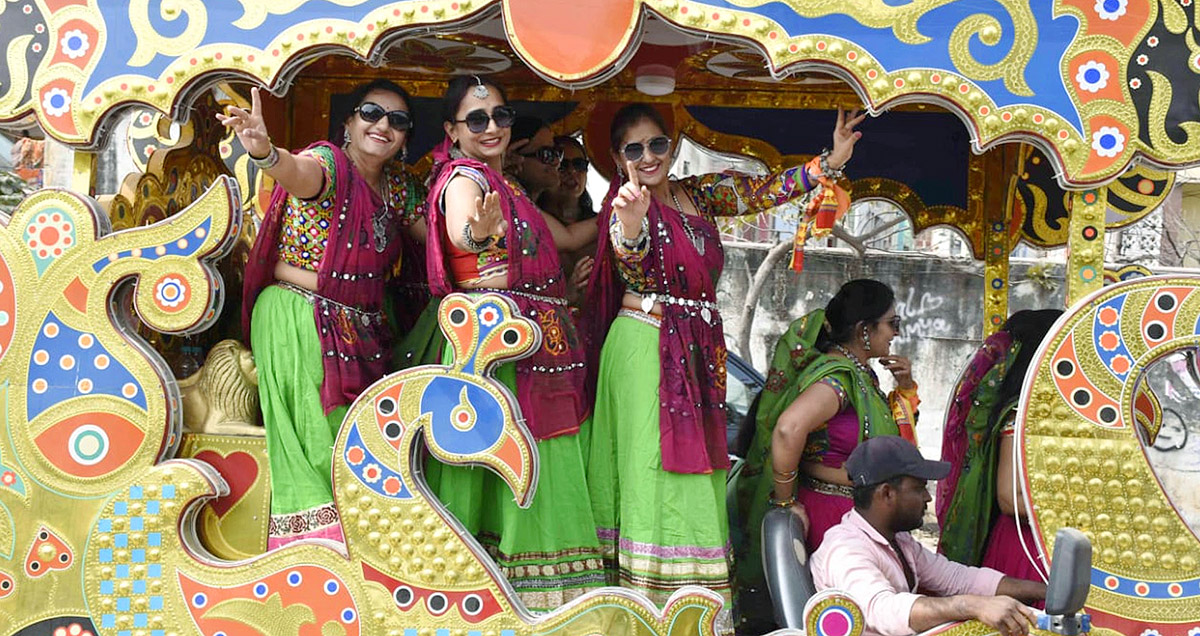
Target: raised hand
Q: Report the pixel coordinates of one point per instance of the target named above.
(900, 368)
(631, 203)
(488, 219)
(844, 137)
(249, 126)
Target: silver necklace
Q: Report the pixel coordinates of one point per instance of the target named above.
(853, 358)
(697, 241)
(381, 220)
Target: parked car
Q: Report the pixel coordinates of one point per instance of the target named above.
(743, 383)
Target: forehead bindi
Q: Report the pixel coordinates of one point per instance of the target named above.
(387, 99)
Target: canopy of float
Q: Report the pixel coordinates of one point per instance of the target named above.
(1095, 84)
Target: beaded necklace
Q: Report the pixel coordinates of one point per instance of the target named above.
(687, 228)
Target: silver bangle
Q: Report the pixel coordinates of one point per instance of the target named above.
(826, 170)
(472, 244)
(267, 162)
(636, 242)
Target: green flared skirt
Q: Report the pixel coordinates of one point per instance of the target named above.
(659, 530)
(300, 435)
(549, 552)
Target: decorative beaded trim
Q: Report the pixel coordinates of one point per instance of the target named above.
(655, 297)
(641, 316)
(826, 488)
(317, 299)
(552, 300)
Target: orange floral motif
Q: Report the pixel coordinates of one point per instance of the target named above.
(554, 339)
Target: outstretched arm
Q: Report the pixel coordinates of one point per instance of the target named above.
(1002, 613)
(299, 175)
(735, 195)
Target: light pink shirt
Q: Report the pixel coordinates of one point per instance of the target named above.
(856, 559)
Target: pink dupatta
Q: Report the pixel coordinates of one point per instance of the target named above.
(691, 361)
(954, 436)
(363, 245)
(550, 383)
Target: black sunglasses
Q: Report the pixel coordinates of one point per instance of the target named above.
(548, 156)
(658, 146)
(477, 120)
(577, 164)
(371, 112)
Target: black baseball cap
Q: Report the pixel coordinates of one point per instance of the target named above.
(879, 459)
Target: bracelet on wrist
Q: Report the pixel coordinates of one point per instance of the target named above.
(634, 243)
(785, 477)
(474, 245)
(784, 503)
(267, 162)
(828, 171)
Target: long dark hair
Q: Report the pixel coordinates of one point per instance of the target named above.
(458, 88)
(860, 300)
(1028, 328)
(526, 127)
(629, 115)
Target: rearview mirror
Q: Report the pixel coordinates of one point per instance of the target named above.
(1070, 581)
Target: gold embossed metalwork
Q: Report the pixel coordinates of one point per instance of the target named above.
(902, 20)
(1085, 243)
(1082, 460)
(233, 526)
(222, 397)
(88, 481)
(1046, 207)
(87, 404)
(409, 566)
(833, 613)
(1096, 150)
(997, 246)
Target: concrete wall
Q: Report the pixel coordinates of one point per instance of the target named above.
(940, 301)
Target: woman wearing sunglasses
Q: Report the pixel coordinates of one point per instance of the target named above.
(312, 290)
(821, 399)
(487, 235)
(569, 203)
(658, 456)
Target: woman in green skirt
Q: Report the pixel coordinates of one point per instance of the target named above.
(486, 235)
(658, 458)
(313, 288)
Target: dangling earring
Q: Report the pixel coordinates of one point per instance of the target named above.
(404, 154)
(866, 339)
(345, 139)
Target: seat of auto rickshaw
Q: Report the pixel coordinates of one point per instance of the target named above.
(790, 583)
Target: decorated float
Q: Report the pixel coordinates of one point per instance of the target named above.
(134, 502)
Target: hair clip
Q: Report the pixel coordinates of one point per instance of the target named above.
(480, 91)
